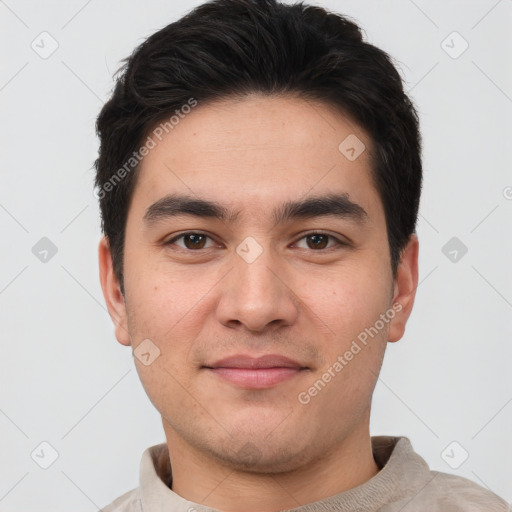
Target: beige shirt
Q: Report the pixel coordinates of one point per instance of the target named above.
(403, 484)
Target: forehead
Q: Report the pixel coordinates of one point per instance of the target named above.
(257, 150)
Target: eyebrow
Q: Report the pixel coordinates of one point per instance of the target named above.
(335, 205)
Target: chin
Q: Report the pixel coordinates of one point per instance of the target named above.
(261, 453)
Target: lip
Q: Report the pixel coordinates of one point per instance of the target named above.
(256, 372)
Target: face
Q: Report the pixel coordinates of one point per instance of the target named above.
(261, 316)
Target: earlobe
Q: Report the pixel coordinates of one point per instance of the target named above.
(406, 283)
(112, 293)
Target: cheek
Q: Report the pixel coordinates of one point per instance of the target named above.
(169, 309)
(354, 343)
(160, 299)
(166, 312)
(350, 300)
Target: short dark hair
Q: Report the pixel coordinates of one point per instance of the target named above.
(226, 48)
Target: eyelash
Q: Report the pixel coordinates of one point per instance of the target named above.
(338, 242)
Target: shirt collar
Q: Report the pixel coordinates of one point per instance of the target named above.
(401, 468)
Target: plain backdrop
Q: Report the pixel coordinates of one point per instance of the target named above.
(64, 379)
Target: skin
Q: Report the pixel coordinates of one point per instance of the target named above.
(238, 449)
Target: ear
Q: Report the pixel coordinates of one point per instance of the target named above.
(112, 292)
(406, 282)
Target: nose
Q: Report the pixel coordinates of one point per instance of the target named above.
(255, 293)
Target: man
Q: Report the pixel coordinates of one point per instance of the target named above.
(259, 178)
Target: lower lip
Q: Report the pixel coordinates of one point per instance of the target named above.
(260, 378)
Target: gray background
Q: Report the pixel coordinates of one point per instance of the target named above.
(66, 381)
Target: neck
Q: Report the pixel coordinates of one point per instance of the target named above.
(200, 479)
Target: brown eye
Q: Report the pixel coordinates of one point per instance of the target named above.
(320, 241)
(194, 241)
(317, 241)
(191, 241)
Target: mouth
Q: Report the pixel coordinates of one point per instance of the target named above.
(256, 372)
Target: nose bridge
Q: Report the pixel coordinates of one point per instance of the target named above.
(254, 293)
(255, 269)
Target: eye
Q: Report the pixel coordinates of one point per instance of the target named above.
(192, 241)
(319, 241)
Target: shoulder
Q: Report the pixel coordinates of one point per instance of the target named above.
(418, 488)
(467, 495)
(128, 502)
(445, 492)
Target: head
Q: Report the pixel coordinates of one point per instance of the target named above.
(259, 177)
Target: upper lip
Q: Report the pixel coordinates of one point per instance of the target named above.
(249, 362)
